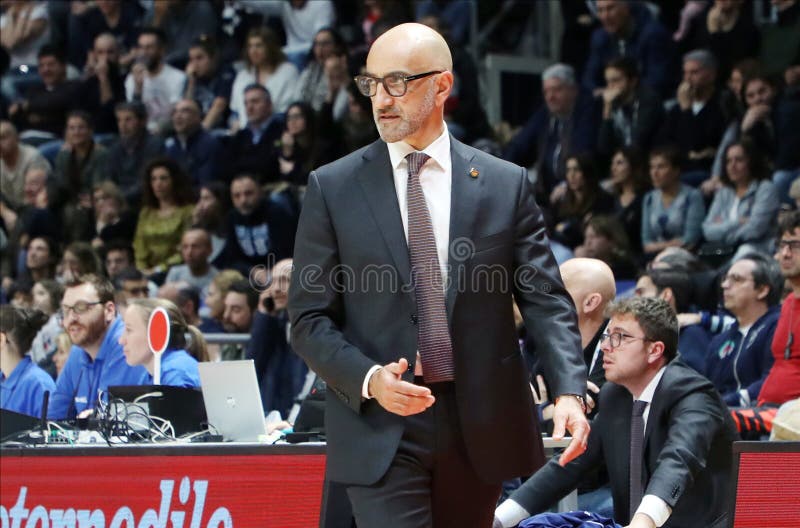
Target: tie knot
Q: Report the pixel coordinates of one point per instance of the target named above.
(638, 407)
(415, 161)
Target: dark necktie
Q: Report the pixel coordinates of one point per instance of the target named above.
(435, 348)
(637, 441)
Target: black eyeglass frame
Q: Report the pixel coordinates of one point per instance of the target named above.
(382, 80)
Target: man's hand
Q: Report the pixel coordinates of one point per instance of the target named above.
(398, 396)
(640, 520)
(684, 95)
(569, 414)
(591, 389)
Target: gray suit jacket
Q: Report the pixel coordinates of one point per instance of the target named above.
(352, 306)
(687, 452)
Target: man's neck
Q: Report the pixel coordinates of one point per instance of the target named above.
(200, 270)
(588, 328)
(153, 72)
(795, 282)
(703, 94)
(637, 388)
(751, 314)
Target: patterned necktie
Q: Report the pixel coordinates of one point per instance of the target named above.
(637, 454)
(435, 348)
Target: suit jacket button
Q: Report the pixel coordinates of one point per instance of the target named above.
(413, 319)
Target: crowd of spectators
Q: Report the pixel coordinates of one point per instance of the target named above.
(165, 145)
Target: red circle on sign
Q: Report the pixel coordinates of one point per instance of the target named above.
(158, 330)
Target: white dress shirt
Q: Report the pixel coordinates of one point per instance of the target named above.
(435, 178)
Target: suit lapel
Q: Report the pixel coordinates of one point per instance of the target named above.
(377, 181)
(464, 200)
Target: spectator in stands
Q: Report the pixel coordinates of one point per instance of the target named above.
(302, 148)
(312, 85)
(628, 183)
(96, 360)
(674, 490)
(565, 123)
(166, 213)
(44, 108)
(576, 200)
(187, 299)
(629, 30)
(79, 165)
(357, 127)
(696, 123)
(209, 82)
(79, 259)
(104, 83)
(118, 256)
(24, 29)
(135, 147)
(47, 296)
(112, 218)
(209, 213)
(265, 64)
(604, 238)
(217, 290)
(260, 230)
(178, 366)
(301, 20)
(786, 114)
(130, 283)
(117, 18)
(632, 112)
(726, 29)
(672, 213)
(745, 208)
(197, 152)
(739, 359)
(41, 257)
(195, 251)
(154, 82)
(281, 373)
(783, 382)
(252, 149)
(240, 307)
(181, 22)
(15, 160)
(781, 40)
(60, 356)
(22, 382)
(674, 285)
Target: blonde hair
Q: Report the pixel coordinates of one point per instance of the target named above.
(63, 341)
(196, 346)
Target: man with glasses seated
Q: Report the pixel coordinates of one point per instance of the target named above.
(89, 316)
(662, 431)
(739, 359)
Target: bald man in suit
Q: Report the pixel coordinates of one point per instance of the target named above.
(408, 254)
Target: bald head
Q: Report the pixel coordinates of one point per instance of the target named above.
(585, 280)
(418, 43)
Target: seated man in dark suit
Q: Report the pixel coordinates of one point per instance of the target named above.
(659, 420)
(252, 149)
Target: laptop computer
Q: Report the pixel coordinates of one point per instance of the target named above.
(182, 406)
(233, 401)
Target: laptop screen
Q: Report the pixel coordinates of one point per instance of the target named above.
(182, 406)
(233, 400)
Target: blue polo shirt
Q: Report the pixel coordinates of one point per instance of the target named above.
(178, 369)
(23, 391)
(83, 378)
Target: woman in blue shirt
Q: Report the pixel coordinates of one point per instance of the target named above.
(178, 363)
(22, 383)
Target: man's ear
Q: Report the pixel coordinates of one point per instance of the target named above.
(667, 294)
(591, 302)
(762, 292)
(444, 85)
(655, 352)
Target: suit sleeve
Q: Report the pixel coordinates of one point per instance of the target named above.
(693, 423)
(315, 304)
(544, 303)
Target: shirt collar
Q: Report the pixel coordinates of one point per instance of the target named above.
(647, 393)
(439, 150)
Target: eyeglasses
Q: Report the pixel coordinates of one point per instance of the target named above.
(616, 338)
(735, 278)
(79, 308)
(394, 83)
(793, 245)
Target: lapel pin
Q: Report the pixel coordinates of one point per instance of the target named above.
(473, 172)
